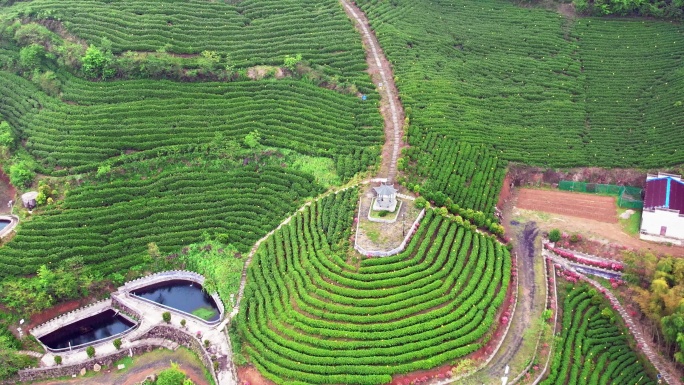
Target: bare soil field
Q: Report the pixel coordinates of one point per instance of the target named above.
(588, 206)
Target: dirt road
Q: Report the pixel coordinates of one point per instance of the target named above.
(390, 106)
(527, 252)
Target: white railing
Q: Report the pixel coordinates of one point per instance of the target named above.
(70, 317)
(169, 275)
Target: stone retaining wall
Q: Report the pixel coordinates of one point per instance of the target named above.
(118, 305)
(14, 221)
(181, 337)
(162, 277)
(74, 369)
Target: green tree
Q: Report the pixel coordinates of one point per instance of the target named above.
(97, 63)
(554, 235)
(21, 174)
(117, 343)
(6, 135)
(291, 62)
(58, 360)
(208, 60)
(166, 316)
(103, 170)
(31, 56)
(171, 376)
(673, 330)
(90, 351)
(32, 33)
(253, 141)
(48, 82)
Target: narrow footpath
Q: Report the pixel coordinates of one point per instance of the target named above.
(390, 106)
(663, 366)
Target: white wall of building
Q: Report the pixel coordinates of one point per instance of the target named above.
(652, 221)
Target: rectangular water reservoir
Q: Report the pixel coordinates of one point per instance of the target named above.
(87, 331)
(186, 296)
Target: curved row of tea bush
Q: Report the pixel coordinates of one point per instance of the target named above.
(310, 315)
(109, 225)
(249, 32)
(109, 119)
(470, 175)
(592, 349)
(542, 89)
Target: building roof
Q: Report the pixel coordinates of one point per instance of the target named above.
(29, 196)
(664, 192)
(385, 189)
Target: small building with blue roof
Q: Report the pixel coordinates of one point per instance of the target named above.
(663, 217)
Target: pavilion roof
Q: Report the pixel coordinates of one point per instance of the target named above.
(385, 189)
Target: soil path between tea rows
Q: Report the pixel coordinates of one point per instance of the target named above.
(390, 106)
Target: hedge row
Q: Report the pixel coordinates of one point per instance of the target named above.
(592, 349)
(153, 116)
(109, 225)
(310, 315)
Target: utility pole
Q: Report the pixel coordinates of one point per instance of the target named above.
(403, 224)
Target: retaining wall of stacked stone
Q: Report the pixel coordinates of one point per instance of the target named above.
(74, 369)
(181, 337)
(120, 306)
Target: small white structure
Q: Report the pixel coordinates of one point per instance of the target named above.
(29, 199)
(663, 216)
(386, 198)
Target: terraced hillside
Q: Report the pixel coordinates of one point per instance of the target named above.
(251, 32)
(311, 316)
(109, 225)
(104, 120)
(540, 88)
(166, 161)
(470, 175)
(592, 349)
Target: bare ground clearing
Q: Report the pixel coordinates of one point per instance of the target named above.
(588, 206)
(604, 232)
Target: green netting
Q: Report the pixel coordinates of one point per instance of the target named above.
(628, 196)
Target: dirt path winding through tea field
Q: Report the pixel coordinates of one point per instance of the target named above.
(390, 106)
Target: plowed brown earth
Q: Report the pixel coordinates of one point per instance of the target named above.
(589, 206)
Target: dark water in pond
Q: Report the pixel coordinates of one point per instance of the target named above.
(4, 223)
(87, 330)
(183, 295)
